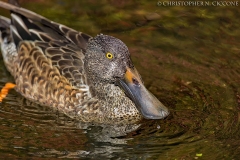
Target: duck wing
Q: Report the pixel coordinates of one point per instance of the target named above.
(59, 45)
(36, 27)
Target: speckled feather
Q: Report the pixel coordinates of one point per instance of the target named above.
(51, 66)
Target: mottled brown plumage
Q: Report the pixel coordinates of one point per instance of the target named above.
(57, 66)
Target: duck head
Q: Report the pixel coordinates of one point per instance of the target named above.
(107, 59)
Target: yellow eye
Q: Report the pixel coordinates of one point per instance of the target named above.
(109, 55)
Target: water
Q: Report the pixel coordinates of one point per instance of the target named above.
(189, 57)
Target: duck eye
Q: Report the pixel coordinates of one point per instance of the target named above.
(109, 55)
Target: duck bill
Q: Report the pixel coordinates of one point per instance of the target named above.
(149, 106)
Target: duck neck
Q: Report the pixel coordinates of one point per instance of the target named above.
(107, 92)
(114, 103)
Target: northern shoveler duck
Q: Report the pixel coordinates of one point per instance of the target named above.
(88, 78)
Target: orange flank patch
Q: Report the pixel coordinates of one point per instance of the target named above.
(5, 90)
